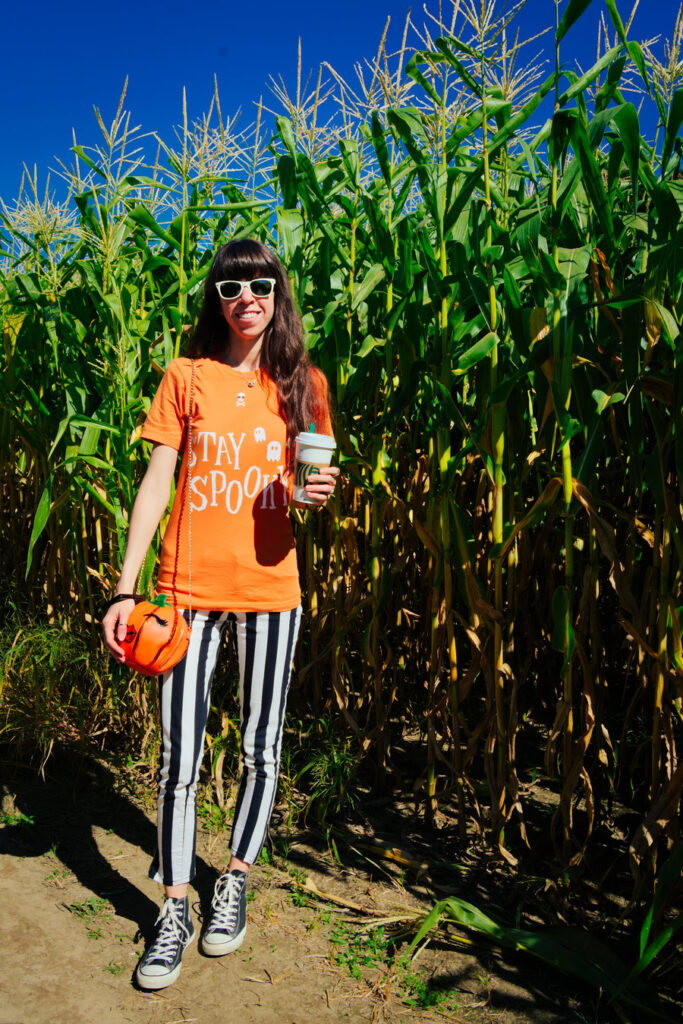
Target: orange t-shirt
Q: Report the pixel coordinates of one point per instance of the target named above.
(243, 554)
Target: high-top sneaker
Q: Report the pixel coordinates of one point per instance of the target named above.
(228, 922)
(160, 964)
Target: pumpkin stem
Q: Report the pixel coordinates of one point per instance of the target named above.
(160, 601)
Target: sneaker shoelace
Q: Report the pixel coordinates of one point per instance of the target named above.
(172, 931)
(226, 903)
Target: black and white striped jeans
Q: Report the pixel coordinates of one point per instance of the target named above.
(265, 648)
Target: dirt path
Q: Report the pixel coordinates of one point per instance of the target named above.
(76, 904)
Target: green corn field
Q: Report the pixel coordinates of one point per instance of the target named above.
(488, 258)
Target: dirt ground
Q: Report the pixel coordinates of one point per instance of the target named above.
(76, 906)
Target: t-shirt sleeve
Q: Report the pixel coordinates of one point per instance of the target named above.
(165, 421)
(321, 402)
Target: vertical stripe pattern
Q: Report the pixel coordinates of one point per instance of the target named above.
(265, 648)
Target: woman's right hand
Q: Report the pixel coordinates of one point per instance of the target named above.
(114, 625)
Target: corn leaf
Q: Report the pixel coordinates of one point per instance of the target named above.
(615, 18)
(372, 278)
(673, 126)
(39, 520)
(572, 13)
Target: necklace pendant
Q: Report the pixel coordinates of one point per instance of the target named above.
(251, 383)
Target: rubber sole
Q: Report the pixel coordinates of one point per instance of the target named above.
(153, 982)
(221, 948)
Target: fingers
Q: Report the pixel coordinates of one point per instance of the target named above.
(326, 476)
(320, 486)
(114, 626)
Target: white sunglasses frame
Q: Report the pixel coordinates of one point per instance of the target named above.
(246, 284)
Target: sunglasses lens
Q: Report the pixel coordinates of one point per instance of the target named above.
(229, 289)
(261, 288)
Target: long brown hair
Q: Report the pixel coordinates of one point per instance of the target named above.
(283, 354)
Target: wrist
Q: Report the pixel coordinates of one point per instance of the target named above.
(125, 585)
(119, 599)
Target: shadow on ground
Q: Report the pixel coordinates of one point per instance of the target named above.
(78, 794)
(75, 795)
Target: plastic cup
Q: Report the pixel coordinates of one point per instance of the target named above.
(313, 452)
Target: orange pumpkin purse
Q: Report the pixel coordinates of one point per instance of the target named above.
(157, 637)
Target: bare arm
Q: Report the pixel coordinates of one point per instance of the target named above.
(150, 505)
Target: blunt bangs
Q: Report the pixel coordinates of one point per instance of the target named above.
(243, 260)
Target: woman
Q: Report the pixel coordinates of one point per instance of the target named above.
(229, 555)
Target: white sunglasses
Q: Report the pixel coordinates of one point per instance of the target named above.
(260, 288)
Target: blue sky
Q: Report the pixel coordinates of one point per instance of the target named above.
(59, 60)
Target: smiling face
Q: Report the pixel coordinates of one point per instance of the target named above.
(248, 317)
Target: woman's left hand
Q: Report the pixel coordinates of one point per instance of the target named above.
(320, 485)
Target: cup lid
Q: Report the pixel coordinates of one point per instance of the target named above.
(316, 440)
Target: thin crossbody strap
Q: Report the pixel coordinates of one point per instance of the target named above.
(188, 503)
(189, 489)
